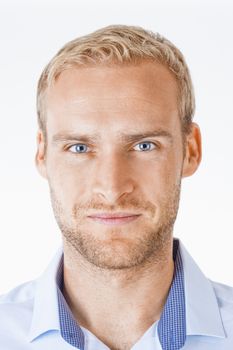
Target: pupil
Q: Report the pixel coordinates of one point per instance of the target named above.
(80, 148)
(144, 146)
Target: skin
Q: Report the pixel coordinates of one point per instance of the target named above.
(123, 272)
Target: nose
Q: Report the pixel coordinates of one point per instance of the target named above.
(113, 178)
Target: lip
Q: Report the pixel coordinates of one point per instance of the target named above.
(114, 219)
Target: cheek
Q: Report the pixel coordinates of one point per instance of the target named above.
(69, 183)
(161, 178)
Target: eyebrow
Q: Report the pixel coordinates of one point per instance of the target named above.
(70, 136)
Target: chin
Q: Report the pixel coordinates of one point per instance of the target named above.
(118, 254)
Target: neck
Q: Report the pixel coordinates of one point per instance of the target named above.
(101, 298)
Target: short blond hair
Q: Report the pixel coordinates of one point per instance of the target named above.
(120, 44)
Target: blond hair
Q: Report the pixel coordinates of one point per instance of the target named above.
(120, 44)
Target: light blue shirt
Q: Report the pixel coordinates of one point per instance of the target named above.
(29, 314)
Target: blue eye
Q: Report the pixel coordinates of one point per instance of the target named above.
(78, 148)
(145, 146)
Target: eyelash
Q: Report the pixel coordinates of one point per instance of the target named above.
(143, 142)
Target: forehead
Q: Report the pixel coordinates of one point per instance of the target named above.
(103, 95)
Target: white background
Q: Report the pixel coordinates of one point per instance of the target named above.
(30, 34)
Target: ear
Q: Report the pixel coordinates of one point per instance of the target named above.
(193, 151)
(40, 154)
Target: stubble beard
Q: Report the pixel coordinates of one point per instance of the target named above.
(150, 246)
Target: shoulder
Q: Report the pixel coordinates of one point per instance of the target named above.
(222, 289)
(223, 292)
(19, 294)
(224, 296)
(16, 307)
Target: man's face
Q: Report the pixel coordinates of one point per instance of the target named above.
(114, 147)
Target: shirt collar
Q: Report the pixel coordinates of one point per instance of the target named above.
(71, 332)
(202, 310)
(172, 324)
(45, 315)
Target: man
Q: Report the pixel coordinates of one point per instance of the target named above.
(115, 139)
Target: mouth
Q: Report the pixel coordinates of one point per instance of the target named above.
(114, 219)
